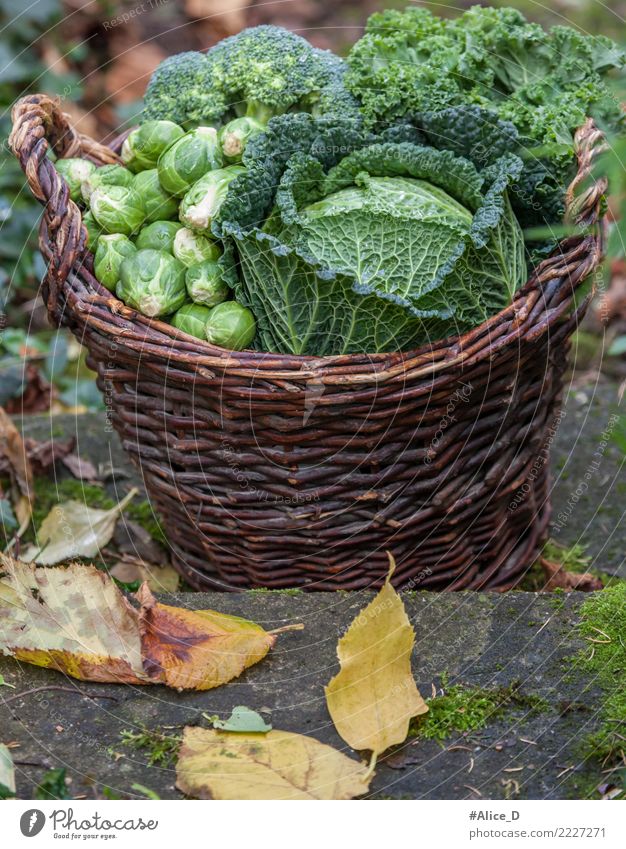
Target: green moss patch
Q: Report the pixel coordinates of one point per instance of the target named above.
(462, 709)
(161, 749)
(49, 493)
(603, 663)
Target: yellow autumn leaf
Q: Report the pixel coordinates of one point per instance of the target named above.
(373, 697)
(277, 765)
(20, 472)
(76, 620)
(73, 529)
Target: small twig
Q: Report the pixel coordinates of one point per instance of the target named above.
(31, 763)
(474, 790)
(57, 687)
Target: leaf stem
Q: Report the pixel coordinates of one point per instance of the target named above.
(372, 767)
(297, 627)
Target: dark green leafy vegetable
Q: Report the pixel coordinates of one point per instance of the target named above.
(152, 282)
(192, 319)
(202, 202)
(159, 235)
(205, 284)
(260, 72)
(143, 146)
(107, 175)
(75, 171)
(94, 230)
(393, 245)
(118, 209)
(235, 135)
(191, 248)
(188, 159)
(159, 205)
(110, 253)
(544, 84)
(231, 326)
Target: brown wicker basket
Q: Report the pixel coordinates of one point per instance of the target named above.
(288, 471)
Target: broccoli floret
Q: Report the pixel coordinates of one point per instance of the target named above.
(260, 73)
(182, 90)
(266, 71)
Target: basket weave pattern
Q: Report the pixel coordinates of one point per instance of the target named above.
(284, 471)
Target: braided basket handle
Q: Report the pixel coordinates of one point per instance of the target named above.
(38, 125)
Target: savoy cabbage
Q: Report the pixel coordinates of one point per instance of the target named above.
(342, 241)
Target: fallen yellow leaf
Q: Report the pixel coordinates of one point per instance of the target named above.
(373, 697)
(277, 765)
(73, 529)
(20, 472)
(76, 620)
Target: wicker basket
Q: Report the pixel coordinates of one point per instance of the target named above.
(289, 471)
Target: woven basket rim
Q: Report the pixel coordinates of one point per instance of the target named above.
(40, 116)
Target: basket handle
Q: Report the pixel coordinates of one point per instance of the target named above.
(585, 209)
(38, 125)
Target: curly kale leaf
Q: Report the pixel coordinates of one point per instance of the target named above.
(543, 84)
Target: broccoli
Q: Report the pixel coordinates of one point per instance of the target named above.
(182, 90)
(259, 73)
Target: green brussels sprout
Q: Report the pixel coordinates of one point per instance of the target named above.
(110, 253)
(188, 159)
(235, 135)
(74, 171)
(230, 326)
(159, 236)
(192, 319)
(204, 199)
(191, 248)
(94, 230)
(107, 175)
(143, 146)
(119, 209)
(159, 205)
(152, 282)
(205, 285)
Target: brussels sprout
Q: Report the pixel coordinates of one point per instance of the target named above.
(159, 205)
(205, 285)
(204, 199)
(192, 319)
(118, 209)
(159, 236)
(74, 171)
(143, 146)
(188, 159)
(94, 230)
(230, 326)
(110, 253)
(108, 175)
(152, 282)
(191, 248)
(235, 135)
